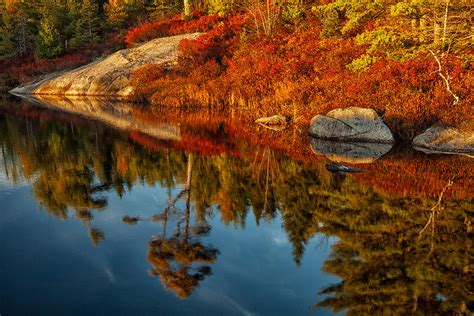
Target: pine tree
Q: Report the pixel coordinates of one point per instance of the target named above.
(78, 35)
(90, 16)
(48, 43)
(7, 48)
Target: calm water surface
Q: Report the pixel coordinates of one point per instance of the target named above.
(98, 220)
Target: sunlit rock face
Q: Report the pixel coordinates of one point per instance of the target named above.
(354, 153)
(446, 139)
(109, 76)
(351, 125)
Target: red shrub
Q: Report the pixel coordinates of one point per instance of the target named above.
(173, 26)
(150, 30)
(299, 74)
(29, 69)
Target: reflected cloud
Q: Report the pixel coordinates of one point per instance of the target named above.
(219, 298)
(110, 275)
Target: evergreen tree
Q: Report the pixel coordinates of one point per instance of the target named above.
(90, 17)
(7, 49)
(48, 43)
(78, 35)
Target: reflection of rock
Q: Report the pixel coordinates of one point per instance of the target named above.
(109, 76)
(349, 152)
(340, 168)
(112, 112)
(351, 124)
(275, 122)
(446, 139)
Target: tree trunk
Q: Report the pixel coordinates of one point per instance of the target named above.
(188, 196)
(187, 8)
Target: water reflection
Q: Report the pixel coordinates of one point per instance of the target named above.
(386, 262)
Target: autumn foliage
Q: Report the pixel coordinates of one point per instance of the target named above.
(297, 73)
(173, 26)
(29, 70)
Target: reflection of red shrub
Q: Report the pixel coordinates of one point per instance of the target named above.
(399, 174)
(411, 174)
(200, 145)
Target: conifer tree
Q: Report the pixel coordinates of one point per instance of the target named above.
(7, 48)
(90, 16)
(48, 43)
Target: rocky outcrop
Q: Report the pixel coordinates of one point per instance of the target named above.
(446, 140)
(111, 75)
(354, 153)
(351, 125)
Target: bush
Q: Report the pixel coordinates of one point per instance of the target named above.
(298, 73)
(173, 26)
(28, 69)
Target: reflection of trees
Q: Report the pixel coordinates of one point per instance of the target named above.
(384, 264)
(74, 165)
(174, 259)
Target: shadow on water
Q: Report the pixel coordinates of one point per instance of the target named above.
(403, 227)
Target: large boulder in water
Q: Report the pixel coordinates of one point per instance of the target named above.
(109, 76)
(351, 124)
(446, 139)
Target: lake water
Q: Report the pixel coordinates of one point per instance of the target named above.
(186, 219)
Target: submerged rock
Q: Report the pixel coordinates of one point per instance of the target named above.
(446, 139)
(109, 76)
(351, 125)
(355, 153)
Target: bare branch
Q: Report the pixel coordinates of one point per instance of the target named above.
(445, 78)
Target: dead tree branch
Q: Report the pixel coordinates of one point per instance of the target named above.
(436, 209)
(446, 78)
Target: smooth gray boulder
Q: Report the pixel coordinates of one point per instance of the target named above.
(446, 140)
(109, 76)
(351, 124)
(354, 153)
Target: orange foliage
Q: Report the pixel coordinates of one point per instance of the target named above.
(299, 74)
(410, 173)
(25, 69)
(173, 26)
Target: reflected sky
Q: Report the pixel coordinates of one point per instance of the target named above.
(49, 265)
